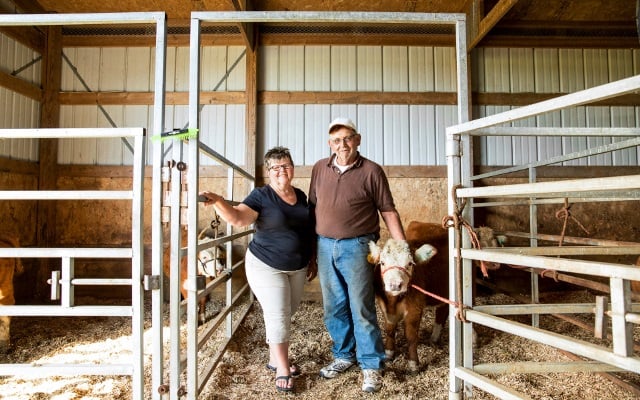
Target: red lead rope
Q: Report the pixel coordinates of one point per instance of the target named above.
(435, 296)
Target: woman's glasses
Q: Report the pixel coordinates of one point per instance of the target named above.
(282, 167)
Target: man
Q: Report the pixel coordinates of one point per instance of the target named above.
(347, 191)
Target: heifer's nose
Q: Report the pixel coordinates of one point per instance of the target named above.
(394, 286)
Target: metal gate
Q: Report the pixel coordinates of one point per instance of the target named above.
(175, 205)
(63, 281)
(620, 309)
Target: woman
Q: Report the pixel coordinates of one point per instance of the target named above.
(277, 259)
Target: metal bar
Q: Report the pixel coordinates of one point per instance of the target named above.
(490, 386)
(571, 250)
(557, 264)
(570, 239)
(554, 188)
(223, 239)
(192, 212)
(100, 281)
(581, 97)
(219, 157)
(621, 330)
(457, 174)
(175, 371)
(552, 131)
(555, 308)
(137, 268)
(329, 16)
(556, 340)
(66, 289)
(157, 296)
(80, 19)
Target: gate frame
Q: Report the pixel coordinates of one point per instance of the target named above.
(136, 369)
(459, 166)
(463, 93)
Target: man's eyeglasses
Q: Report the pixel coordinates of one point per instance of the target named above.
(283, 167)
(346, 139)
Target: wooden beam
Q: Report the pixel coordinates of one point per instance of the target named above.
(29, 36)
(20, 86)
(560, 42)
(29, 6)
(264, 39)
(497, 12)
(146, 98)
(272, 97)
(357, 98)
(251, 109)
(246, 29)
(48, 152)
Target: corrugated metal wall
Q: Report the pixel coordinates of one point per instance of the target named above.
(392, 134)
(553, 71)
(16, 110)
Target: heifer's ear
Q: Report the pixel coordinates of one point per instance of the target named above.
(425, 252)
(374, 253)
(501, 239)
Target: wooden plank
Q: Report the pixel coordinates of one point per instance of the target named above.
(497, 12)
(286, 97)
(146, 98)
(28, 36)
(251, 108)
(48, 152)
(21, 86)
(353, 97)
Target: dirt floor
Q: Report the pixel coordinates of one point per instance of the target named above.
(241, 373)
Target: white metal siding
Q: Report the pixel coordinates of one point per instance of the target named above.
(392, 134)
(546, 76)
(317, 62)
(370, 67)
(343, 68)
(16, 110)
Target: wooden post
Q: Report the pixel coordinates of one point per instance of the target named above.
(48, 153)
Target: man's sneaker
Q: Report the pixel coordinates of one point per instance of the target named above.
(372, 380)
(338, 366)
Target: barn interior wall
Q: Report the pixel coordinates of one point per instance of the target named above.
(405, 138)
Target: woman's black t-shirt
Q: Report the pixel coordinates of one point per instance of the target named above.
(284, 232)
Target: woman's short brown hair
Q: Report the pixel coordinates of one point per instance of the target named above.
(276, 153)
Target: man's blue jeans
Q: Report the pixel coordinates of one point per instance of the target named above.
(346, 279)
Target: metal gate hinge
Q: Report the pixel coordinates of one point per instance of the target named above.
(151, 282)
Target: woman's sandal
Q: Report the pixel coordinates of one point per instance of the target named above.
(286, 378)
(294, 369)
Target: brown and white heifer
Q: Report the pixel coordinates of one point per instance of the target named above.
(429, 270)
(9, 267)
(210, 262)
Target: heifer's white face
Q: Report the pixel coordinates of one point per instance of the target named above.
(211, 264)
(396, 265)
